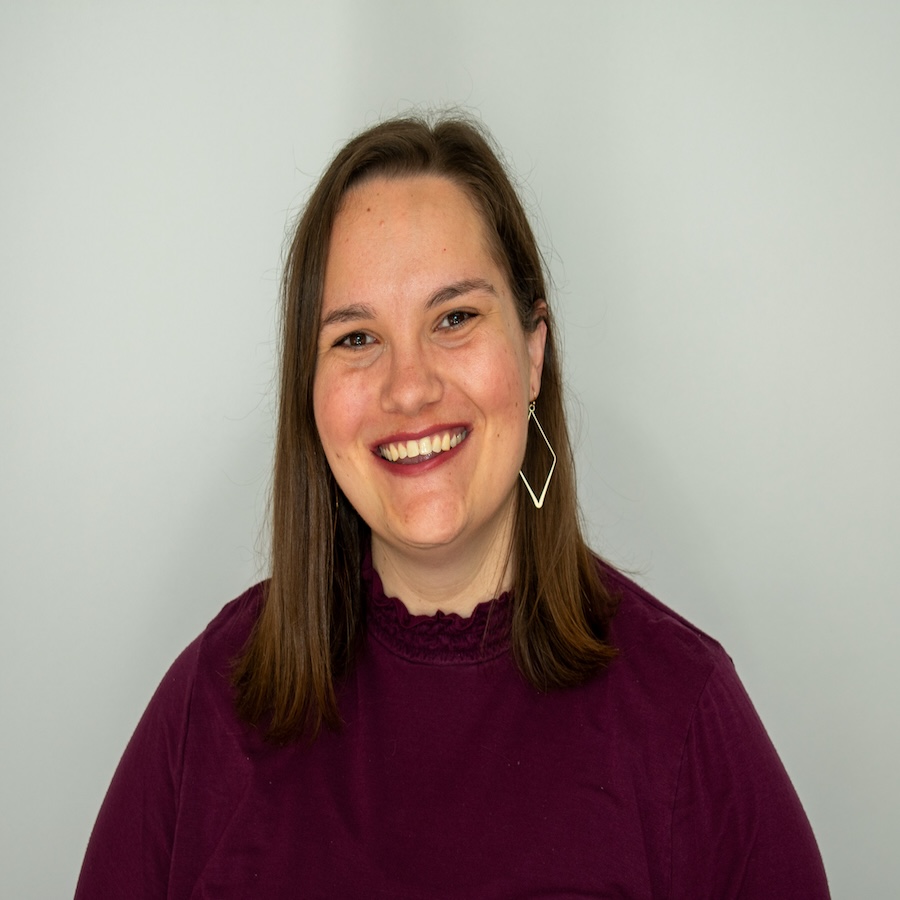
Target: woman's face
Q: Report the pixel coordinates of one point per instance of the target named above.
(424, 372)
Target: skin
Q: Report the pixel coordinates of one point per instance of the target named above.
(419, 336)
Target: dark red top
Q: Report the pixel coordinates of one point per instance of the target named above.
(454, 778)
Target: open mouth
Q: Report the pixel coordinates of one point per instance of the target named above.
(409, 453)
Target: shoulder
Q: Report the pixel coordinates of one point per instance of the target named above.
(672, 680)
(659, 650)
(711, 761)
(227, 633)
(641, 615)
(133, 838)
(212, 655)
(206, 661)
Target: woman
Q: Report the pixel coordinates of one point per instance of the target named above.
(523, 721)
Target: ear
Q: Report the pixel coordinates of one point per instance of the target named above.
(536, 340)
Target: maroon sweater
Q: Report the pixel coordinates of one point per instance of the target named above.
(454, 778)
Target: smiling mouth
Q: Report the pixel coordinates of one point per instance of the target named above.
(410, 453)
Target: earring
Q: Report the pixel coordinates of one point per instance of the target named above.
(539, 500)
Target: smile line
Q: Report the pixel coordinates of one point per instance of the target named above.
(412, 452)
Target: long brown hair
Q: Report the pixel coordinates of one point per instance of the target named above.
(312, 619)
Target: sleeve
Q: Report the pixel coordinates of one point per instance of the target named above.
(738, 828)
(130, 848)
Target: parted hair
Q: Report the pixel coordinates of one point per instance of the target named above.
(313, 614)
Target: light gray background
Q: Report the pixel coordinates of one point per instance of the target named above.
(717, 187)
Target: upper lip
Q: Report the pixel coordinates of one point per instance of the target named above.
(402, 436)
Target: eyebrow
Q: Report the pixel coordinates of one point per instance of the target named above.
(457, 289)
(354, 312)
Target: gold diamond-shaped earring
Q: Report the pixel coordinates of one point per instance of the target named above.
(538, 500)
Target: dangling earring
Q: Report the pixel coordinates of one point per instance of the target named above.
(539, 500)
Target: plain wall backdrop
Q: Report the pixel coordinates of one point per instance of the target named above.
(717, 189)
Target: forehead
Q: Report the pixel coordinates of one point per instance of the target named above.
(395, 232)
(404, 198)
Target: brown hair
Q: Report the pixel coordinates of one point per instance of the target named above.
(312, 619)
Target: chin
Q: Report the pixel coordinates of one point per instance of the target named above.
(437, 525)
(424, 538)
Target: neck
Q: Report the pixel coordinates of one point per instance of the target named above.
(448, 579)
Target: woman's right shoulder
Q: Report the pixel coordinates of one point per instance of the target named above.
(130, 850)
(228, 632)
(206, 663)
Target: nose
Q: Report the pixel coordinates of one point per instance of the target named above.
(412, 381)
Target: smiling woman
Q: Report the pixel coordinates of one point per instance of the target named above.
(440, 692)
(438, 355)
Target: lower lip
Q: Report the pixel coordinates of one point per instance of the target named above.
(410, 470)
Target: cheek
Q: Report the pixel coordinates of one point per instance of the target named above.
(339, 408)
(499, 385)
(508, 381)
(331, 427)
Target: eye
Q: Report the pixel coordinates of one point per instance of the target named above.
(356, 340)
(456, 319)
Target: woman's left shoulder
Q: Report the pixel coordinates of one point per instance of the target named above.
(655, 643)
(710, 763)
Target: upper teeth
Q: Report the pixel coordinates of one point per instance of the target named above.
(426, 446)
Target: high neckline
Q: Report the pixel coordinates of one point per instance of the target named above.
(441, 639)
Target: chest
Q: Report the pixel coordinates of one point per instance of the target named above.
(444, 782)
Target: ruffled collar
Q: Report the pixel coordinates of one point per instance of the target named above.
(441, 639)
